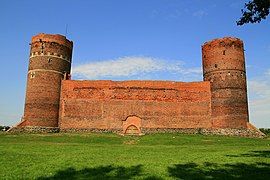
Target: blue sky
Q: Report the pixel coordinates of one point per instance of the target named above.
(130, 39)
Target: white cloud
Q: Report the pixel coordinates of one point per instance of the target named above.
(130, 66)
(259, 104)
(199, 14)
(125, 66)
(260, 88)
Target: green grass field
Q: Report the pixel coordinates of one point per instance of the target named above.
(109, 156)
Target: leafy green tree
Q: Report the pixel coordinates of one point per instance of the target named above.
(254, 11)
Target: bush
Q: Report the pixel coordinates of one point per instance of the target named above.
(266, 131)
(4, 128)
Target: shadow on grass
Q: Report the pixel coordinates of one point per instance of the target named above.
(220, 171)
(101, 172)
(264, 154)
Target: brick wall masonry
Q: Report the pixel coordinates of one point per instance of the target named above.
(159, 104)
(217, 105)
(224, 67)
(49, 61)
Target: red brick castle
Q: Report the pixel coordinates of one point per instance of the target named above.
(217, 105)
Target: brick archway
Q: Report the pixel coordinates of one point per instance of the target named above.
(132, 125)
(132, 130)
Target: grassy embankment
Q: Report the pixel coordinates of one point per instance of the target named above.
(109, 156)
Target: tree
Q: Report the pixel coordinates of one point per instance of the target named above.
(254, 12)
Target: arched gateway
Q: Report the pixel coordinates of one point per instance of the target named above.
(132, 125)
(132, 130)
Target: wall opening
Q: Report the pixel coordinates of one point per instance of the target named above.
(32, 75)
(132, 130)
(132, 125)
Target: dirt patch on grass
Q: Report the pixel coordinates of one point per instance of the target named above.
(130, 142)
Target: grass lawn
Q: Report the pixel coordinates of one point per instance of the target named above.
(109, 156)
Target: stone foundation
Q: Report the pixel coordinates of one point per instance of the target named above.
(224, 132)
(253, 133)
(94, 130)
(34, 129)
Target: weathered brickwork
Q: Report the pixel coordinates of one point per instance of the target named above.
(224, 67)
(49, 61)
(159, 104)
(217, 105)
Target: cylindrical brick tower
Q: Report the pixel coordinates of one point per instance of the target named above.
(224, 67)
(49, 63)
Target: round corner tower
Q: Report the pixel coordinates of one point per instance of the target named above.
(224, 67)
(49, 62)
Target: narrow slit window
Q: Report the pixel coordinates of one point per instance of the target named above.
(224, 52)
(42, 47)
(32, 75)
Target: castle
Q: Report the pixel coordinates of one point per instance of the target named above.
(216, 105)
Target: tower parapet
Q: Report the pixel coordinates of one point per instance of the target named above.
(49, 62)
(224, 67)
